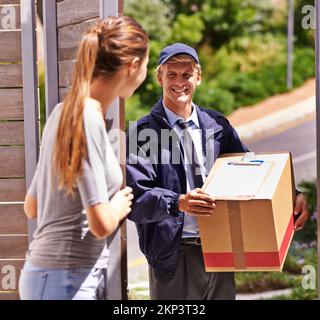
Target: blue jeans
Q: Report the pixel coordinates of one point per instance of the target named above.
(38, 283)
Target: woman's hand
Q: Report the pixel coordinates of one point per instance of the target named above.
(104, 218)
(122, 202)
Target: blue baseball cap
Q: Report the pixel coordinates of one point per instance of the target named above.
(177, 49)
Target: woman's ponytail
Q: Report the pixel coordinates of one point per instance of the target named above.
(70, 146)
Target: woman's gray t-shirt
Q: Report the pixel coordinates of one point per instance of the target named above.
(62, 238)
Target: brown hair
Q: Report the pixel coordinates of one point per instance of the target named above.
(181, 58)
(103, 50)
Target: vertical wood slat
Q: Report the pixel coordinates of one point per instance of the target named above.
(317, 65)
(108, 8)
(122, 154)
(30, 93)
(50, 55)
(118, 278)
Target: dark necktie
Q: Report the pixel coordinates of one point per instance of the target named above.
(190, 156)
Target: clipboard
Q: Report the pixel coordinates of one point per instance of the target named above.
(238, 179)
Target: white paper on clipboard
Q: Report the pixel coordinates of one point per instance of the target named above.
(237, 180)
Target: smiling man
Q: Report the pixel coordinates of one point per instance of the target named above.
(167, 192)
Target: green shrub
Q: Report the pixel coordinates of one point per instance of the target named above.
(42, 95)
(187, 29)
(245, 89)
(210, 97)
(273, 78)
(134, 110)
(304, 64)
(291, 264)
(304, 37)
(253, 282)
(299, 293)
(309, 233)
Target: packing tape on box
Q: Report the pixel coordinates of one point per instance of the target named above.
(236, 234)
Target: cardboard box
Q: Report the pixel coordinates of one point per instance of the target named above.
(249, 232)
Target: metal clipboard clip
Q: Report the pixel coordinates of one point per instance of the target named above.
(248, 159)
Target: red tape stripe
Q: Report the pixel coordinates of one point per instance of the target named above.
(253, 259)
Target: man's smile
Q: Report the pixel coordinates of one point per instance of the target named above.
(180, 91)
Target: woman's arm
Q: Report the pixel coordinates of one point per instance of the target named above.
(30, 206)
(104, 218)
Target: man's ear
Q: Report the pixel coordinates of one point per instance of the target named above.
(159, 77)
(198, 79)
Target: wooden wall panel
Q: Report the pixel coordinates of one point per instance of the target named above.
(12, 219)
(12, 190)
(65, 73)
(12, 162)
(71, 12)
(62, 93)
(11, 104)
(13, 247)
(10, 44)
(11, 133)
(10, 295)
(69, 38)
(10, 75)
(9, 1)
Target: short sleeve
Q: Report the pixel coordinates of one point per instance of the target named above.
(92, 184)
(91, 191)
(34, 184)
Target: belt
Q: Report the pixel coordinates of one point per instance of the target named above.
(191, 241)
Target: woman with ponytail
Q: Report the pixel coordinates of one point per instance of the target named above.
(75, 192)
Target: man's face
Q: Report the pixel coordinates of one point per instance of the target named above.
(179, 81)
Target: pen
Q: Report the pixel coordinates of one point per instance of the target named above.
(243, 163)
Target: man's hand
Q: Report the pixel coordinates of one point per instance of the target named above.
(301, 209)
(196, 203)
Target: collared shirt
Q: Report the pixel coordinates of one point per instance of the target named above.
(190, 227)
